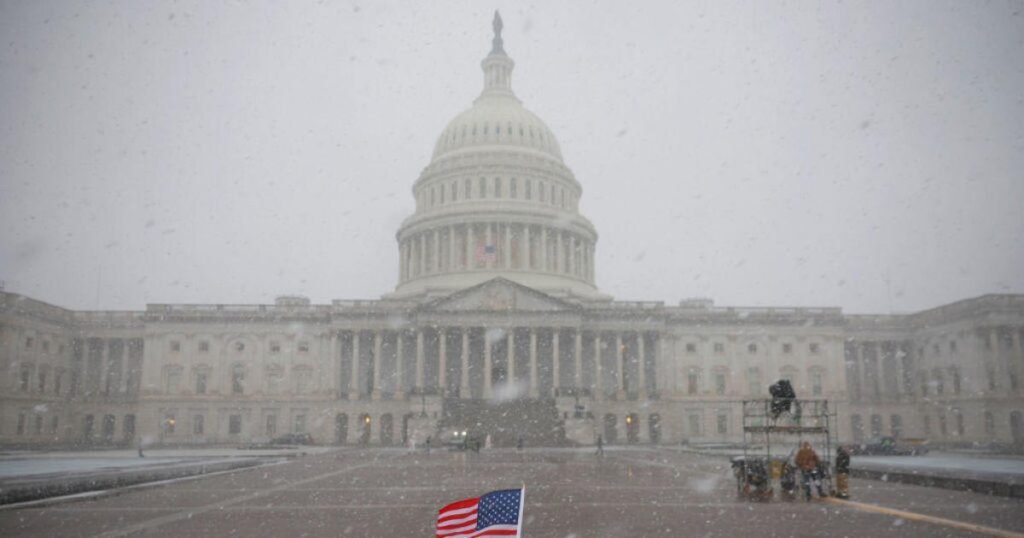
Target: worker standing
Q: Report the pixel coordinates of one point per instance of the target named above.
(842, 473)
(807, 460)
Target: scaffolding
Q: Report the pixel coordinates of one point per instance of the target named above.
(773, 429)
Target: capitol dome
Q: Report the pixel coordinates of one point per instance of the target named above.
(496, 200)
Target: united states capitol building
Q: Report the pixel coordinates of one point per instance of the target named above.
(497, 325)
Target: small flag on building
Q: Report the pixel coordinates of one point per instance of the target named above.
(486, 253)
(498, 513)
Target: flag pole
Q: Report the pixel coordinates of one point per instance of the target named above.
(522, 504)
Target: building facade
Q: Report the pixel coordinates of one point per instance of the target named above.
(497, 313)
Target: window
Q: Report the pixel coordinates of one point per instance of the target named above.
(719, 347)
(303, 347)
(943, 430)
(691, 347)
(816, 382)
(201, 377)
(175, 346)
(58, 376)
(990, 424)
(723, 423)
(42, 380)
(896, 425)
(238, 379)
(814, 348)
(857, 428)
(23, 380)
(172, 382)
(455, 191)
(787, 348)
(692, 382)
(300, 424)
(958, 416)
(529, 190)
(754, 384)
(39, 424)
(513, 188)
(954, 373)
(876, 425)
(541, 191)
(271, 425)
(752, 348)
(441, 188)
(483, 188)
(54, 423)
(926, 424)
(28, 342)
(204, 346)
(21, 423)
(235, 424)
(303, 379)
(275, 347)
(497, 187)
(694, 420)
(469, 189)
(720, 383)
(197, 425)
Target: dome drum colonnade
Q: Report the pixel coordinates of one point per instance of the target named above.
(497, 200)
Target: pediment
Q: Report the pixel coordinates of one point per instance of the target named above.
(501, 295)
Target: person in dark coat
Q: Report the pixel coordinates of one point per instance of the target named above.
(843, 472)
(600, 445)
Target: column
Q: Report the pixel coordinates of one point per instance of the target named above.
(353, 393)
(469, 247)
(510, 354)
(419, 360)
(526, 247)
(577, 377)
(555, 356)
(423, 253)
(534, 389)
(104, 387)
(451, 248)
(572, 255)
(487, 365)
(619, 390)
(464, 383)
(442, 359)
(642, 377)
(543, 249)
(401, 261)
(399, 365)
(508, 247)
(559, 253)
(489, 241)
(438, 250)
(376, 364)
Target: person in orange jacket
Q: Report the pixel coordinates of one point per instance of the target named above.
(808, 462)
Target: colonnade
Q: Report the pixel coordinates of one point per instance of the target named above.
(512, 246)
(474, 362)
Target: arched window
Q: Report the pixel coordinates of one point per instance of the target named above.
(529, 190)
(469, 189)
(816, 376)
(303, 379)
(497, 187)
(512, 188)
(455, 191)
(483, 187)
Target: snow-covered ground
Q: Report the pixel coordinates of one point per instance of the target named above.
(28, 464)
(944, 463)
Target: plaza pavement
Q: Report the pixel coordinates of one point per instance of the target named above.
(570, 493)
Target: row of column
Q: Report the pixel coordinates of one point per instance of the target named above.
(378, 337)
(879, 370)
(513, 246)
(115, 373)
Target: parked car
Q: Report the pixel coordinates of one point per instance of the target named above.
(890, 446)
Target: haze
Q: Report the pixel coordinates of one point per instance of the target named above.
(869, 156)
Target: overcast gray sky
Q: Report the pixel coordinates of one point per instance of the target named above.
(863, 155)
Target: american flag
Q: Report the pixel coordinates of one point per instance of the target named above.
(498, 513)
(486, 253)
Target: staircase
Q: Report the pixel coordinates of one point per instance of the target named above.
(534, 420)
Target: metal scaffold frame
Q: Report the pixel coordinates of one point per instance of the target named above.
(795, 421)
